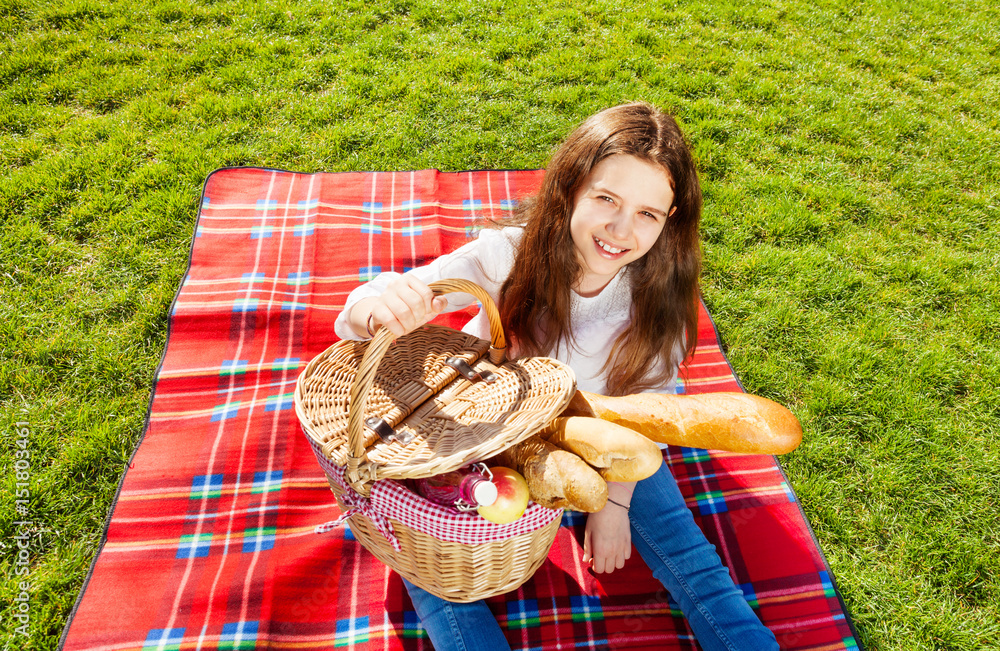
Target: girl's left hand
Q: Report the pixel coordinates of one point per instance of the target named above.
(607, 540)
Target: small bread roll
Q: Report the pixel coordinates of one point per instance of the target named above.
(737, 422)
(556, 478)
(616, 452)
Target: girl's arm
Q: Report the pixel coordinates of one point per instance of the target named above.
(607, 540)
(485, 261)
(405, 305)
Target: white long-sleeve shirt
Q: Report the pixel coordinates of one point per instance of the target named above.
(595, 322)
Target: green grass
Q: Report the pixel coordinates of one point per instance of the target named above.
(849, 161)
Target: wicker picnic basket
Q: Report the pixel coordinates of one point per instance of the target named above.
(383, 411)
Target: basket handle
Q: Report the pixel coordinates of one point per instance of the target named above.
(373, 357)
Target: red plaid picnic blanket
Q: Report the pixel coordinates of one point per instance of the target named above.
(211, 543)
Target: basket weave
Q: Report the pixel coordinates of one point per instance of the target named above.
(445, 422)
(455, 571)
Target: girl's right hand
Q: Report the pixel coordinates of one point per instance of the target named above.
(405, 305)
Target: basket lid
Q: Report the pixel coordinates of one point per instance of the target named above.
(442, 421)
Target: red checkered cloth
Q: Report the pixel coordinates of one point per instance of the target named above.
(211, 541)
(392, 500)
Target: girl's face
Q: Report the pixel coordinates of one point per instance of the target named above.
(618, 214)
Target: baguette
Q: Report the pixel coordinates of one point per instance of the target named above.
(616, 452)
(736, 422)
(556, 478)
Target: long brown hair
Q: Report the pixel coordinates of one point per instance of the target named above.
(535, 299)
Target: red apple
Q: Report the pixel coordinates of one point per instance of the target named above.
(512, 497)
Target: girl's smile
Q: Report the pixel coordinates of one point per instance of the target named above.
(610, 250)
(618, 214)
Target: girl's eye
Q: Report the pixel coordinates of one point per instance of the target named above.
(606, 198)
(649, 214)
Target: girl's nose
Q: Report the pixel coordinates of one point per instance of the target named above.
(620, 225)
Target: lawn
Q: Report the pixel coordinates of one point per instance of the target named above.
(848, 155)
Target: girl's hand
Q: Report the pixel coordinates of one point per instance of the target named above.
(405, 305)
(607, 540)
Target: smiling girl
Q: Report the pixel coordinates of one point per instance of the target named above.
(599, 270)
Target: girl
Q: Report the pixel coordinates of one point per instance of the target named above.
(599, 270)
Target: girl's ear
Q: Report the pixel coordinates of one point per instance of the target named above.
(672, 211)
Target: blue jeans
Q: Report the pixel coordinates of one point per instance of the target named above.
(666, 536)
